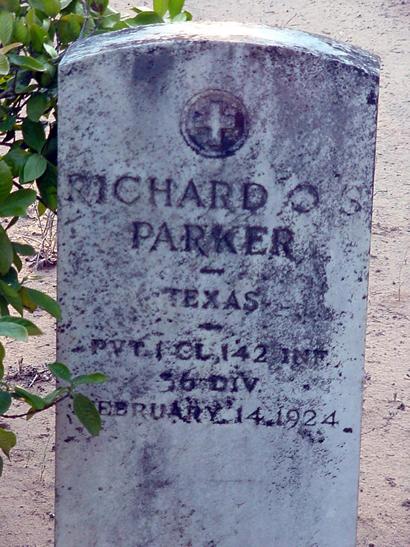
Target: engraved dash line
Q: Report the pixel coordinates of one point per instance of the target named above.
(210, 326)
(217, 271)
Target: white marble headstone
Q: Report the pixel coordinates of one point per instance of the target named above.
(214, 222)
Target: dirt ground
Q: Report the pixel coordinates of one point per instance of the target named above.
(26, 489)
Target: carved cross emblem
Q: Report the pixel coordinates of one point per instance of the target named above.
(215, 123)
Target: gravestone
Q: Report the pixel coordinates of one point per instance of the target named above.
(215, 206)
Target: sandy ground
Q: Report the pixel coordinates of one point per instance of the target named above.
(26, 490)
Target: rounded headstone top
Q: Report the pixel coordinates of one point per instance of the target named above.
(224, 32)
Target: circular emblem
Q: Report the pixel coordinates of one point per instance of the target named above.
(215, 123)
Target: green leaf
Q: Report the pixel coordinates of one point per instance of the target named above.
(41, 208)
(59, 370)
(22, 82)
(4, 65)
(17, 203)
(34, 167)
(10, 5)
(146, 18)
(49, 7)
(2, 356)
(120, 25)
(87, 413)
(12, 222)
(47, 186)
(17, 261)
(7, 441)
(23, 249)
(54, 395)
(21, 32)
(4, 309)
(7, 123)
(34, 135)
(69, 27)
(36, 106)
(11, 278)
(6, 252)
(25, 61)
(12, 297)
(28, 304)
(93, 378)
(5, 401)
(43, 301)
(31, 412)
(52, 52)
(8, 48)
(38, 37)
(161, 7)
(32, 16)
(13, 330)
(50, 152)
(31, 328)
(6, 180)
(175, 7)
(30, 398)
(181, 17)
(110, 21)
(65, 3)
(16, 157)
(6, 27)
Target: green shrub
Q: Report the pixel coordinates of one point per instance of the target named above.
(34, 36)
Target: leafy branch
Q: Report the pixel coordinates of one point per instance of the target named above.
(34, 35)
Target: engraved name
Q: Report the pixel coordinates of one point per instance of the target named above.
(202, 238)
(205, 239)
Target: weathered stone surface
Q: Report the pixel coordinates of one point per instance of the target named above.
(215, 203)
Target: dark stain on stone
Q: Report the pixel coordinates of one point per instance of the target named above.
(69, 439)
(152, 67)
(372, 98)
